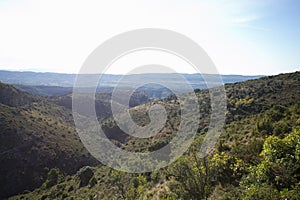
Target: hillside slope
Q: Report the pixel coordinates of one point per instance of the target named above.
(257, 156)
(11, 96)
(243, 100)
(35, 136)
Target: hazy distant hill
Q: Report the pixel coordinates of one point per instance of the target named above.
(43, 90)
(56, 84)
(67, 80)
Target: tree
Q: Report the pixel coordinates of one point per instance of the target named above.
(278, 174)
(280, 164)
(136, 187)
(197, 177)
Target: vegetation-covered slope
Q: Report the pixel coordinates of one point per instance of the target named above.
(35, 135)
(11, 96)
(244, 99)
(257, 156)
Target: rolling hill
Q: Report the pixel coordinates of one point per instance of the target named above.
(245, 164)
(35, 136)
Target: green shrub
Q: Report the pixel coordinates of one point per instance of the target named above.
(54, 176)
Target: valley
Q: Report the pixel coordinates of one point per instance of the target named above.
(42, 153)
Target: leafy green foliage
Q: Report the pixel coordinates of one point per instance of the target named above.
(280, 165)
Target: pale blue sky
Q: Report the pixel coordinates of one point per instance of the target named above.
(241, 36)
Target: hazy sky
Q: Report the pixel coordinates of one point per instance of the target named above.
(241, 36)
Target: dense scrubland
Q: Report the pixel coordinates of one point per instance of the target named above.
(256, 157)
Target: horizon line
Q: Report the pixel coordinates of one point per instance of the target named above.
(184, 73)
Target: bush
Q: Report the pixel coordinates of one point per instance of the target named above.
(258, 192)
(54, 176)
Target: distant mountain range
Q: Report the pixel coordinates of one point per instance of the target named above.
(56, 84)
(67, 80)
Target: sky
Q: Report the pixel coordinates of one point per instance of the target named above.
(248, 37)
